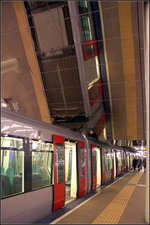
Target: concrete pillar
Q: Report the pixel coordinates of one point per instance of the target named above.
(146, 55)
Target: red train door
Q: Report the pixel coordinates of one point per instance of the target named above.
(59, 172)
(81, 168)
(94, 174)
(103, 167)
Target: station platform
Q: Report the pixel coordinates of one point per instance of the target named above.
(121, 202)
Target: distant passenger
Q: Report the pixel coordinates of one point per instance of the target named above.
(134, 163)
(139, 164)
(144, 164)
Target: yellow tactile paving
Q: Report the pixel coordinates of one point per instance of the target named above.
(136, 178)
(112, 213)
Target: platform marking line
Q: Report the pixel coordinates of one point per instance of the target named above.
(66, 214)
(72, 210)
(112, 213)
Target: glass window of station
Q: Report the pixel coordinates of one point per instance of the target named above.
(89, 44)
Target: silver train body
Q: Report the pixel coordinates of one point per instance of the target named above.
(44, 167)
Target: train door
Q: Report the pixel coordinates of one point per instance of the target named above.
(112, 163)
(94, 167)
(70, 171)
(115, 167)
(103, 166)
(81, 168)
(59, 172)
(98, 166)
(119, 160)
(128, 158)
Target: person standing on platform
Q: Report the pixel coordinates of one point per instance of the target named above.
(134, 163)
(139, 164)
(144, 164)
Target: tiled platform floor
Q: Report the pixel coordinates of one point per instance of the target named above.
(122, 202)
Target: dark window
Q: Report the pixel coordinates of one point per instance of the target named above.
(68, 25)
(82, 6)
(89, 50)
(81, 162)
(95, 93)
(59, 162)
(100, 127)
(86, 29)
(94, 161)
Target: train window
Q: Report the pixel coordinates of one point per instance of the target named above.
(59, 162)
(81, 162)
(42, 145)
(119, 159)
(12, 142)
(94, 161)
(12, 166)
(42, 164)
(108, 160)
(42, 169)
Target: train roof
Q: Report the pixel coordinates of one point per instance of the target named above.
(16, 124)
(32, 128)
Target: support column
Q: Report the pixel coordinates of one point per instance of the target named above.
(74, 17)
(146, 54)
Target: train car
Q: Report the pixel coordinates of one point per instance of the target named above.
(44, 167)
(108, 166)
(127, 162)
(119, 162)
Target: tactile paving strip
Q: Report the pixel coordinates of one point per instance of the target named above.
(112, 213)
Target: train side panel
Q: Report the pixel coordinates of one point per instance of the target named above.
(28, 207)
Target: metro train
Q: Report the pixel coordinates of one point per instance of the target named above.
(44, 167)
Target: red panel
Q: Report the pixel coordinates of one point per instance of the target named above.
(81, 178)
(99, 86)
(119, 170)
(112, 173)
(104, 177)
(95, 50)
(112, 170)
(59, 189)
(94, 175)
(103, 168)
(103, 120)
